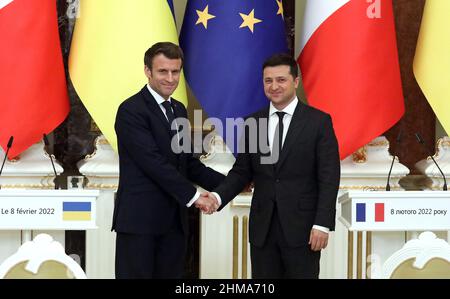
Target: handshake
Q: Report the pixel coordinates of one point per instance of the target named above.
(207, 202)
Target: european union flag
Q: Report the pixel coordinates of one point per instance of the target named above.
(170, 2)
(225, 44)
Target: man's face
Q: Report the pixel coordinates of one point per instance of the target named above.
(279, 85)
(164, 75)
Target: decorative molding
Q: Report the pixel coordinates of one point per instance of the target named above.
(32, 170)
(379, 141)
(242, 201)
(370, 170)
(422, 250)
(27, 186)
(15, 159)
(442, 157)
(35, 253)
(101, 168)
(442, 143)
(101, 186)
(369, 188)
(360, 156)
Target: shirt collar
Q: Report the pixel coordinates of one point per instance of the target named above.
(289, 109)
(159, 99)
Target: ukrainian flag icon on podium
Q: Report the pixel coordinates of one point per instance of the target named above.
(76, 211)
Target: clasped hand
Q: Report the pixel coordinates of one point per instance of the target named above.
(207, 202)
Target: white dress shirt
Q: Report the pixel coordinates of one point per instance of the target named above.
(273, 120)
(159, 99)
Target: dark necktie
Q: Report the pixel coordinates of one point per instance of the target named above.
(173, 132)
(170, 116)
(277, 144)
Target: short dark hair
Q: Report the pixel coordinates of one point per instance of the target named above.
(168, 49)
(282, 59)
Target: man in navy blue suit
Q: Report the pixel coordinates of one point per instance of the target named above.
(294, 200)
(156, 182)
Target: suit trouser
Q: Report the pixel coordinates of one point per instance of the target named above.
(276, 259)
(151, 256)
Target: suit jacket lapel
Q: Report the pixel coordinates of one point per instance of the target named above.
(298, 121)
(176, 108)
(262, 118)
(154, 107)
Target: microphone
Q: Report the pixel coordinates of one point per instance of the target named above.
(10, 142)
(399, 137)
(421, 141)
(51, 160)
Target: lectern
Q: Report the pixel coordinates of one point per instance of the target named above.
(383, 218)
(47, 209)
(43, 210)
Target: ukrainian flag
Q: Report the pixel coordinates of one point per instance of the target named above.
(106, 61)
(432, 60)
(76, 211)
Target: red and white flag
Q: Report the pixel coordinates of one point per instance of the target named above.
(350, 69)
(33, 90)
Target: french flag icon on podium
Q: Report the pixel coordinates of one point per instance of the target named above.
(361, 212)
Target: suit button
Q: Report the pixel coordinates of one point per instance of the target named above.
(277, 180)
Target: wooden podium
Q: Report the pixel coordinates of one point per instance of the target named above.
(383, 221)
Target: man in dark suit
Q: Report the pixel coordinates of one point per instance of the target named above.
(295, 188)
(155, 184)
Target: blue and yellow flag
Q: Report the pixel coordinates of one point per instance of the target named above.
(106, 62)
(76, 211)
(432, 60)
(225, 44)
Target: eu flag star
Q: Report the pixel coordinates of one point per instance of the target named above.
(249, 20)
(204, 17)
(280, 8)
